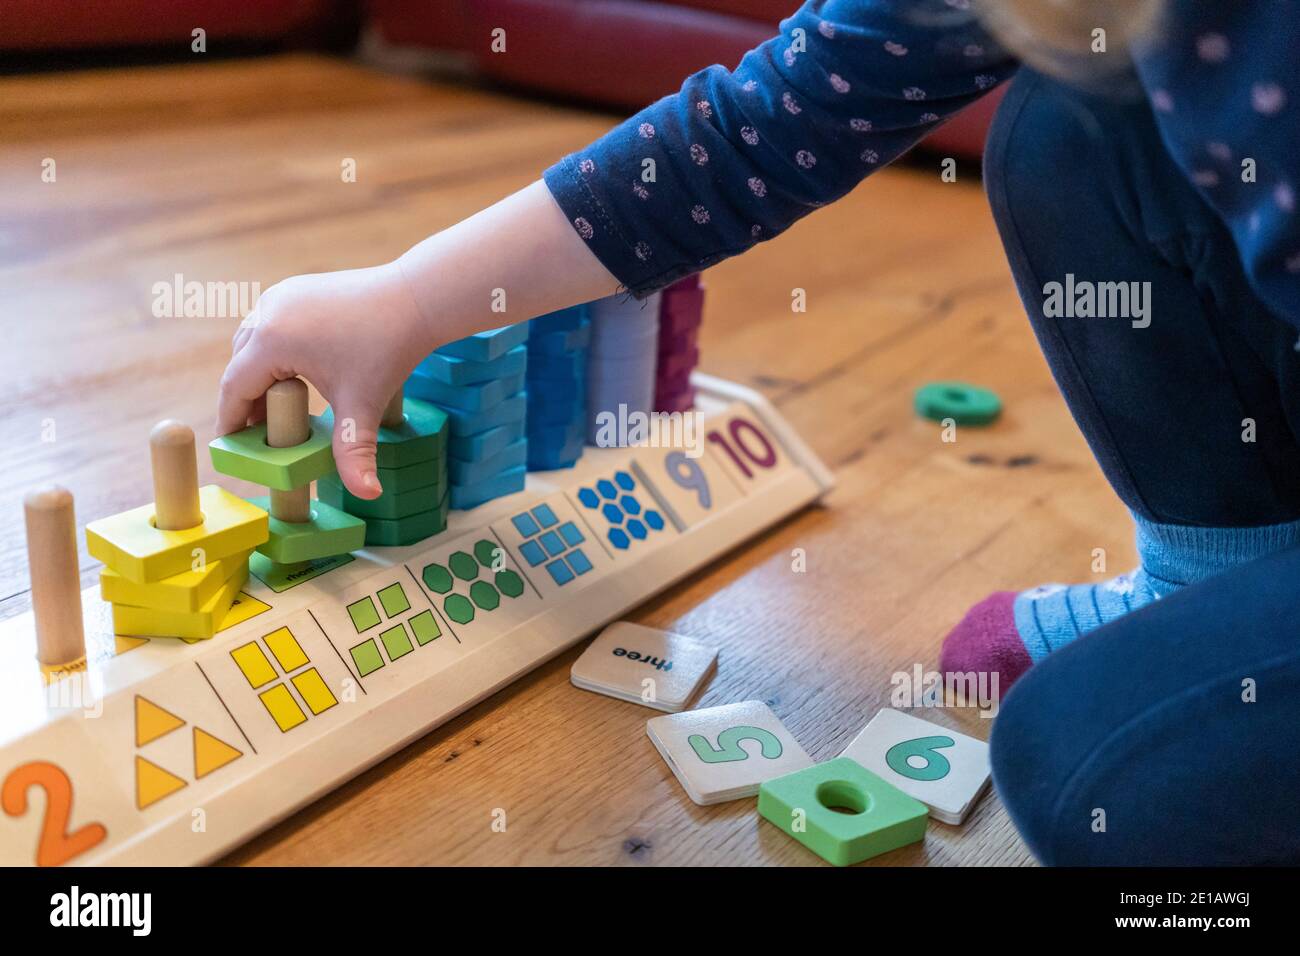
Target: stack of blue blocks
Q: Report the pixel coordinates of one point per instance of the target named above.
(557, 388)
(479, 382)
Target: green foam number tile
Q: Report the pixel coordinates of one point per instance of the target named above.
(964, 404)
(329, 532)
(842, 812)
(245, 454)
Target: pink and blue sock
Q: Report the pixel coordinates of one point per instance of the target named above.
(1008, 632)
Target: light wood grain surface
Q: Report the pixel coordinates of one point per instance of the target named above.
(230, 172)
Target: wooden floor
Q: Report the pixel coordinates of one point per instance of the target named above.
(230, 171)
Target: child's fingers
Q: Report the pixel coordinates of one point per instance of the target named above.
(355, 430)
(246, 380)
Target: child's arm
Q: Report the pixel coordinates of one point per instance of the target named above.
(737, 157)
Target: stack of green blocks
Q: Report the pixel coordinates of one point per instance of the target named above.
(412, 460)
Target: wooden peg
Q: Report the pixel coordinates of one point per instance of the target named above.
(175, 476)
(56, 578)
(287, 424)
(393, 414)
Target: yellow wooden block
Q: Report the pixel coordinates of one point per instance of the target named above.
(131, 545)
(314, 690)
(200, 624)
(284, 710)
(185, 592)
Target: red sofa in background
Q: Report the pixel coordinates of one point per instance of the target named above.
(620, 53)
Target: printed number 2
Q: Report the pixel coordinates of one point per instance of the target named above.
(728, 748)
(738, 429)
(936, 764)
(57, 845)
(688, 473)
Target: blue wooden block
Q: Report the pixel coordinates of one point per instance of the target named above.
(484, 444)
(472, 472)
(465, 398)
(513, 409)
(486, 346)
(456, 371)
(464, 497)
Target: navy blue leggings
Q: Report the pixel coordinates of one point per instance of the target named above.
(1171, 736)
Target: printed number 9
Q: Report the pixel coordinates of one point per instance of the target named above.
(688, 473)
(936, 764)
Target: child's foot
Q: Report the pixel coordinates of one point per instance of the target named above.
(1007, 632)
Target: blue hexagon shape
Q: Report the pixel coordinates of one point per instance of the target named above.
(654, 520)
(630, 505)
(588, 497)
(606, 488)
(618, 538)
(612, 514)
(624, 480)
(636, 528)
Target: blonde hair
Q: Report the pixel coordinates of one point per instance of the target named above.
(1060, 37)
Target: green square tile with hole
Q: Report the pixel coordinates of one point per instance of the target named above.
(842, 811)
(367, 657)
(425, 627)
(363, 614)
(393, 598)
(396, 642)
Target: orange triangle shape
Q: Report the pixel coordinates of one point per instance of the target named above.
(211, 753)
(152, 783)
(152, 722)
(123, 644)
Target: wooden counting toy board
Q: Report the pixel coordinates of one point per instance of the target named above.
(163, 751)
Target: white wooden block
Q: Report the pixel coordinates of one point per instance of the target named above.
(944, 769)
(644, 665)
(725, 753)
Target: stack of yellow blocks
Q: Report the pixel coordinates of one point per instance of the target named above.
(176, 583)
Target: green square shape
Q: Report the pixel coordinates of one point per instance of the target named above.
(422, 436)
(389, 505)
(392, 532)
(425, 627)
(245, 454)
(886, 819)
(393, 598)
(396, 642)
(367, 657)
(363, 614)
(329, 531)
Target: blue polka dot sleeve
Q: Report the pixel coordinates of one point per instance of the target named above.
(739, 155)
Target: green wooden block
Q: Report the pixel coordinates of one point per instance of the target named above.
(390, 532)
(422, 436)
(420, 475)
(881, 817)
(329, 531)
(388, 505)
(245, 454)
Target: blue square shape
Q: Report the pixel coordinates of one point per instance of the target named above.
(533, 553)
(570, 533)
(544, 515)
(560, 571)
(579, 561)
(524, 524)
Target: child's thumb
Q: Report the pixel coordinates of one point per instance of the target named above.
(355, 431)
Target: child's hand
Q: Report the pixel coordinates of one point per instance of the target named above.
(355, 335)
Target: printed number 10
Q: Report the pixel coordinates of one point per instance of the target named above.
(740, 430)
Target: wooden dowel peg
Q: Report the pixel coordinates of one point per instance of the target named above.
(393, 414)
(288, 424)
(175, 476)
(56, 578)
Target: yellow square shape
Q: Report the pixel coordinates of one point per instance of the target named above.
(196, 625)
(131, 545)
(286, 649)
(187, 591)
(284, 710)
(314, 691)
(252, 661)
